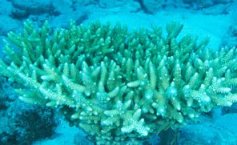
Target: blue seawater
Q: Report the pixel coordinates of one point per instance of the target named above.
(27, 124)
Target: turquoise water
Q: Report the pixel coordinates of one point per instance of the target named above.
(24, 123)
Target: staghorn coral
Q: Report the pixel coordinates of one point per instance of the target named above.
(120, 86)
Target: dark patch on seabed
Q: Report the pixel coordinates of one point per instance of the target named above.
(84, 72)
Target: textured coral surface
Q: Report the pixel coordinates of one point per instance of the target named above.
(117, 85)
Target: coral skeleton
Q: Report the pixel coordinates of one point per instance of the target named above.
(119, 86)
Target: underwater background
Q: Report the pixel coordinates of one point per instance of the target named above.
(28, 124)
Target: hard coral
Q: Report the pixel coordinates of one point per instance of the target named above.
(120, 86)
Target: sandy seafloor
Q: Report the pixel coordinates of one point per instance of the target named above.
(217, 22)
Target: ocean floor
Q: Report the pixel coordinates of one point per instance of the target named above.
(217, 22)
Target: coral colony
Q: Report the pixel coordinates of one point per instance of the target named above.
(119, 85)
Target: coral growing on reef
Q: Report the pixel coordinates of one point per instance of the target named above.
(22, 124)
(151, 6)
(205, 3)
(120, 86)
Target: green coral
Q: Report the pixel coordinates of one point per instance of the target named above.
(120, 86)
